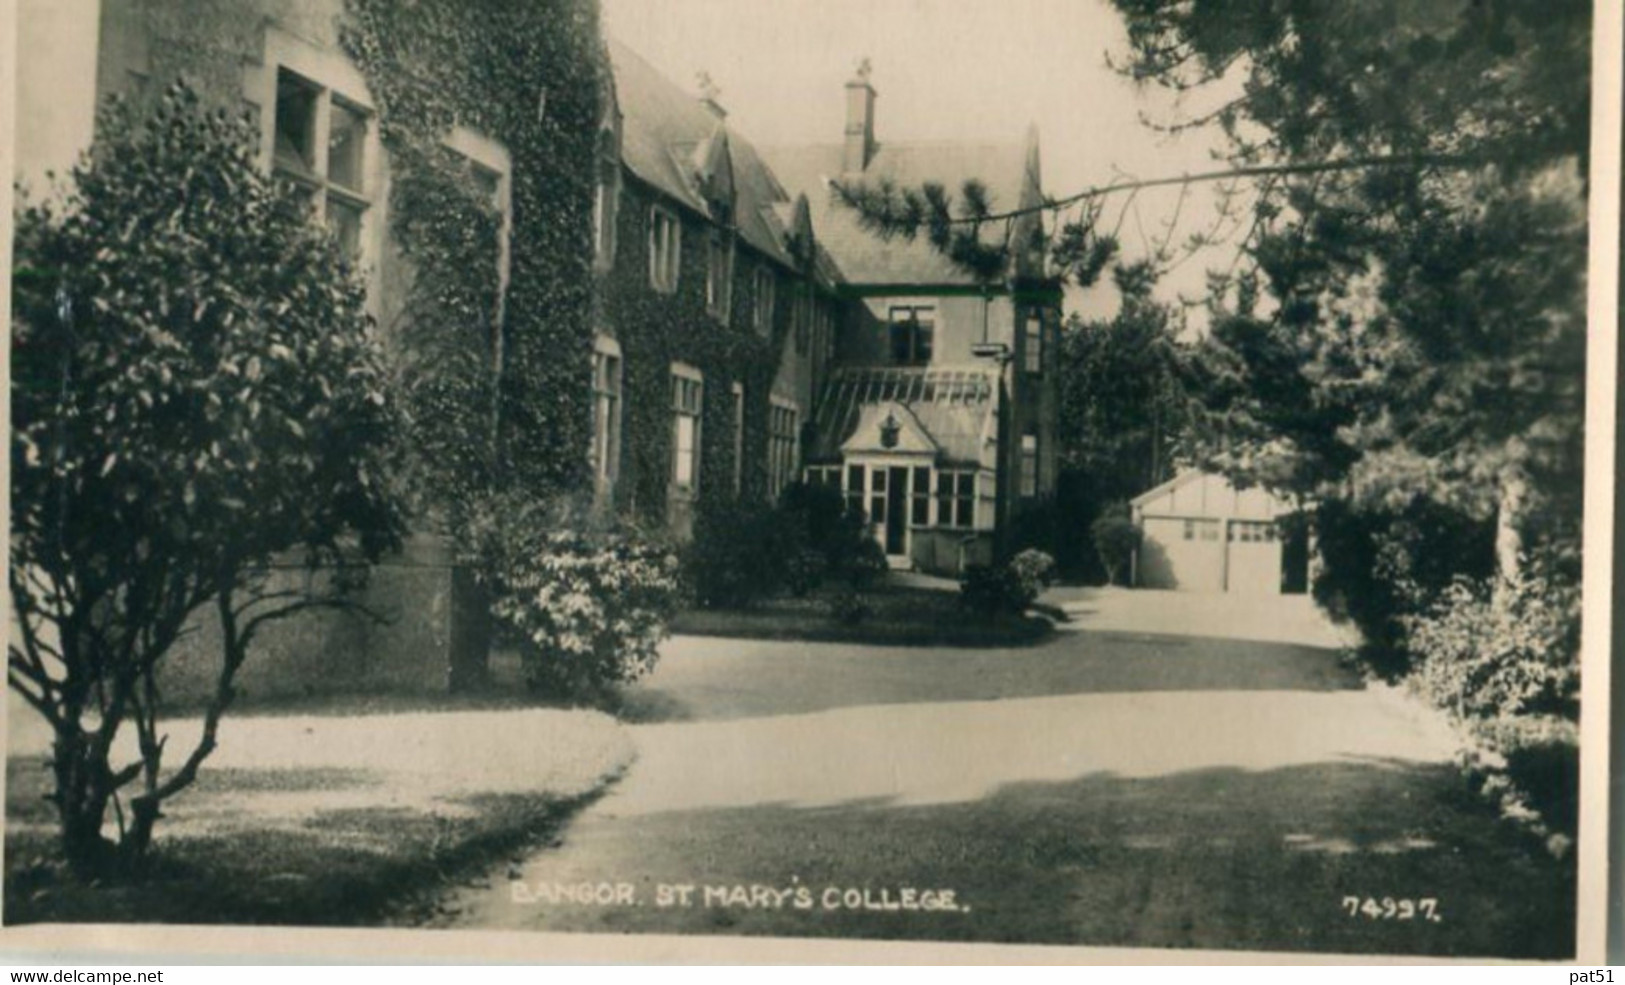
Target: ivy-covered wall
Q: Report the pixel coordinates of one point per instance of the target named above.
(656, 329)
(527, 74)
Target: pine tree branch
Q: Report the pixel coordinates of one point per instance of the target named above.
(849, 194)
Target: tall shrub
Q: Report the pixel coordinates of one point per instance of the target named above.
(196, 388)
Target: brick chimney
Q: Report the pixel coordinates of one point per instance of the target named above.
(860, 122)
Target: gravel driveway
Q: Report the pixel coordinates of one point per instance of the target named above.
(1127, 787)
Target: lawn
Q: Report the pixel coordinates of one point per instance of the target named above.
(322, 820)
(898, 615)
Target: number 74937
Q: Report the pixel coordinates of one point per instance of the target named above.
(1392, 908)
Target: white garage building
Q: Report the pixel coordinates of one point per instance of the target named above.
(1202, 534)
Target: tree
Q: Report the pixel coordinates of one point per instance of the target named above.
(1409, 341)
(196, 390)
(1122, 412)
(1116, 539)
(1406, 327)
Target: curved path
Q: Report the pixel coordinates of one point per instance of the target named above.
(1116, 785)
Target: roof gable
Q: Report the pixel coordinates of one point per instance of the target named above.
(669, 139)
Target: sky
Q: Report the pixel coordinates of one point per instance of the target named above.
(973, 70)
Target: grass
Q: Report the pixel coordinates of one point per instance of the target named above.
(337, 834)
(899, 615)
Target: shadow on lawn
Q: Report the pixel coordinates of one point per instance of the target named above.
(728, 679)
(1216, 858)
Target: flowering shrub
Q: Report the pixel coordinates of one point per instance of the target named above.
(587, 604)
(1009, 588)
(590, 609)
(1483, 654)
(1505, 664)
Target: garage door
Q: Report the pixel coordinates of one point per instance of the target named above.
(1183, 554)
(1255, 558)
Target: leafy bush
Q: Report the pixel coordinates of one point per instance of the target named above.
(588, 606)
(1116, 539)
(1379, 566)
(738, 554)
(196, 389)
(1486, 654)
(1505, 664)
(817, 521)
(1006, 589)
(849, 608)
(744, 550)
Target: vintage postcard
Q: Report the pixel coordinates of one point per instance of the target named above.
(670, 480)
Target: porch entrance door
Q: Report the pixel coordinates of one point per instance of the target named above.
(896, 510)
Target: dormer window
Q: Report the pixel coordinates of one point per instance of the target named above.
(606, 198)
(719, 272)
(665, 241)
(762, 313)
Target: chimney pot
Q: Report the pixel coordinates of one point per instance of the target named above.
(860, 121)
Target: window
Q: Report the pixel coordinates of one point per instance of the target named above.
(762, 313)
(825, 476)
(782, 425)
(801, 316)
(738, 390)
(912, 331)
(485, 165)
(719, 272)
(854, 488)
(920, 497)
(1202, 530)
(956, 499)
(1029, 465)
(319, 141)
(665, 241)
(606, 198)
(1251, 531)
(1033, 345)
(606, 389)
(687, 397)
(877, 496)
(826, 332)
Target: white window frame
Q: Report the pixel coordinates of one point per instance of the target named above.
(952, 497)
(783, 445)
(1032, 342)
(608, 408)
(333, 76)
(910, 314)
(665, 257)
(765, 286)
(683, 371)
(606, 202)
(719, 281)
(1029, 465)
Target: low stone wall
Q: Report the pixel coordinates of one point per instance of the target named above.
(430, 635)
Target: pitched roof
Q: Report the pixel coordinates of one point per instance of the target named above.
(864, 257)
(953, 405)
(663, 127)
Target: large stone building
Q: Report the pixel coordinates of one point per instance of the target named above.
(744, 331)
(926, 395)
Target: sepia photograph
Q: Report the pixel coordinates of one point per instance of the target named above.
(1061, 474)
